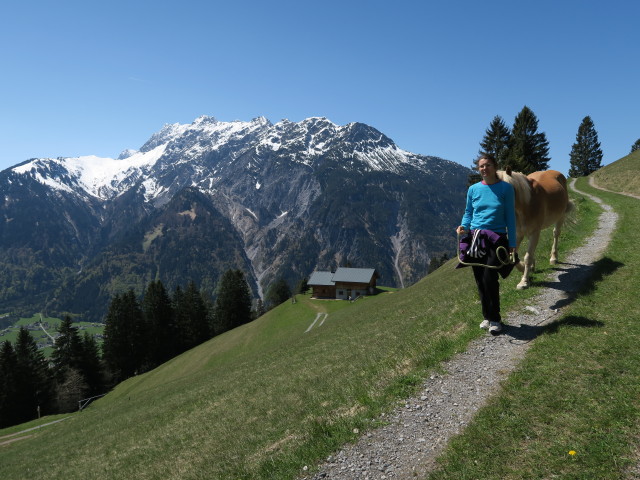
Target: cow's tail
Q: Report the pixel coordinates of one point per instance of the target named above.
(571, 207)
(570, 211)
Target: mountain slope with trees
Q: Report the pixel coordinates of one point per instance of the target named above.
(272, 200)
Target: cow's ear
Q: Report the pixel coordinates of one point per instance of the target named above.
(508, 170)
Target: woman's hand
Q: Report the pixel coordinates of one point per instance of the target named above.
(460, 230)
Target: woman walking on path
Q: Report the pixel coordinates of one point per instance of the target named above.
(491, 219)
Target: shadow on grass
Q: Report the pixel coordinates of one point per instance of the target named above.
(573, 321)
(526, 333)
(575, 280)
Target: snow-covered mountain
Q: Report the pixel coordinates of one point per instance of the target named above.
(276, 200)
(306, 142)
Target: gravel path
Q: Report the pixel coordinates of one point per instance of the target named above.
(417, 433)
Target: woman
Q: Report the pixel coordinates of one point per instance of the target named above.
(490, 210)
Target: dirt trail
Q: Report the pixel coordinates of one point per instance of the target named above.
(14, 437)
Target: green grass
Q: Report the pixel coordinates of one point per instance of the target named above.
(577, 390)
(266, 399)
(621, 176)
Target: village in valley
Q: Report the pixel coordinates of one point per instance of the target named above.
(44, 330)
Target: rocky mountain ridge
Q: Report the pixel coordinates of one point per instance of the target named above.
(276, 200)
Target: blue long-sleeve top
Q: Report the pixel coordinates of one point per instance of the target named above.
(491, 207)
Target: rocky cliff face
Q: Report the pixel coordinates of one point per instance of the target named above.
(275, 200)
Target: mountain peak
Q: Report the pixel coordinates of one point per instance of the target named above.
(261, 121)
(167, 133)
(205, 119)
(126, 153)
(208, 146)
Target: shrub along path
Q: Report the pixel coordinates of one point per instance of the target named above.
(416, 434)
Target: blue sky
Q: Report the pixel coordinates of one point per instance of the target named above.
(94, 78)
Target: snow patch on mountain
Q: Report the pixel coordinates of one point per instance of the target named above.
(309, 142)
(38, 170)
(97, 176)
(389, 158)
(127, 153)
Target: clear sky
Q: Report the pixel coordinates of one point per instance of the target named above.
(93, 78)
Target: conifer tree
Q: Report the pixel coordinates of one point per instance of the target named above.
(80, 354)
(124, 348)
(302, 286)
(67, 350)
(159, 318)
(33, 382)
(528, 149)
(279, 292)
(496, 142)
(586, 154)
(92, 368)
(635, 146)
(232, 307)
(191, 317)
(67, 359)
(9, 401)
(259, 309)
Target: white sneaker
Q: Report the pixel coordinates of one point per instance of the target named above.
(495, 327)
(485, 325)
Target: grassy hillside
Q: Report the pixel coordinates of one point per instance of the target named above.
(621, 176)
(268, 398)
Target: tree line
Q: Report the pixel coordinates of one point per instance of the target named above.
(526, 150)
(140, 334)
(31, 385)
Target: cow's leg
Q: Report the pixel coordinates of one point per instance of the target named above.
(529, 260)
(554, 248)
(519, 265)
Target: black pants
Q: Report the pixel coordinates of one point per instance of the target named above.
(489, 290)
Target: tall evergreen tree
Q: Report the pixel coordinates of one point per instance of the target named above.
(302, 286)
(259, 309)
(586, 154)
(528, 149)
(67, 359)
(92, 368)
(159, 318)
(278, 292)
(67, 350)
(9, 400)
(33, 382)
(191, 317)
(76, 354)
(124, 348)
(232, 307)
(635, 146)
(496, 142)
